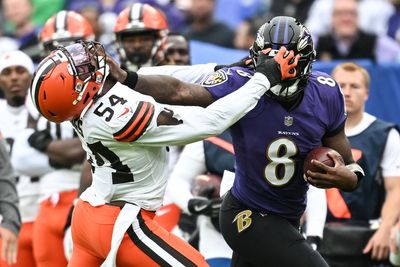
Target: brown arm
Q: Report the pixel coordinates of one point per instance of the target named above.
(66, 152)
(338, 176)
(165, 89)
(168, 90)
(341, 144)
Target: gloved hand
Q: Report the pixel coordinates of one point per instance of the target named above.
(282, 66)
(314, 241)
(204, 206)
(40, 140)
(245, 62)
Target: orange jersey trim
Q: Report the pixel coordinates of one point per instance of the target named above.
(336, 204)
(137, 124)
(222, 143)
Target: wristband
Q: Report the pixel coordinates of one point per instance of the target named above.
(354, 167)
(131, 79)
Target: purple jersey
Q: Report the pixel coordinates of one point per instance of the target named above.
(271, 143)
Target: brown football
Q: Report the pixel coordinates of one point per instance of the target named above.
(320, 154)
(206, 185)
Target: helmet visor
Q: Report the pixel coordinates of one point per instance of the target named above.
(81, 60)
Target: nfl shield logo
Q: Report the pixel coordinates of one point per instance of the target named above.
(288, 121)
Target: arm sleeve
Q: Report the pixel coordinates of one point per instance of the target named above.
(390, 162)
(8, 193)
(334, 101)
(199, 123)
(190, 74)
(191, 163)
(315, 212)
(27, 160)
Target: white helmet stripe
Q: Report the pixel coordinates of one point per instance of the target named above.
(60, 23)
(136, 13)
(41, 71)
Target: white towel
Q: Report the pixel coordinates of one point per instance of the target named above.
(125, 219)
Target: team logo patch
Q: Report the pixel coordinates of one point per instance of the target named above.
(288, 121)
(215, 78)
(243, 220)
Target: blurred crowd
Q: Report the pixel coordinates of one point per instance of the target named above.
(339, 28)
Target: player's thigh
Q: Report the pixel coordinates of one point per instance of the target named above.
(80, 257)
(48, 235)
(264, 240)
(152, 245)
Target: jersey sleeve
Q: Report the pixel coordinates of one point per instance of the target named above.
(337, 108)
(190, 74)
(226, 80)
(390, 162)
(332, 101)
(136, 123)
(133, 117)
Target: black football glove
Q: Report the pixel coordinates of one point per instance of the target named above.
(40, 140)
(204, 206)
(245, 62)
(282, 66)
(314, 241)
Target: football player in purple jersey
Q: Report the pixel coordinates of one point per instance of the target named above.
(260, 215)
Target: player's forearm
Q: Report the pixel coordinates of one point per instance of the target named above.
(201, 123)
(390, 211)
(168, 90)
(66, 152)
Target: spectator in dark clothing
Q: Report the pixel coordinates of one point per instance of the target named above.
(203, 27)
(18, 13)
(246, 32)
(348, 41)
(394, 22)
(293, 8)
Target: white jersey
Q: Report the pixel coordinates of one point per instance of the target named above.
(33, 162)
(192, 74)
(13, 120)
(128, 149)
(59, 180)
(189, 73)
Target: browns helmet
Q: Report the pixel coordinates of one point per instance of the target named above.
(141, 20)
(64, 28)
(67, 80)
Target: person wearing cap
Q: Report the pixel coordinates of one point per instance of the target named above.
(16, 71)
(10, 219)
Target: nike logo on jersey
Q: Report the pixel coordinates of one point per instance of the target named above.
(126, 110)
(137, 124)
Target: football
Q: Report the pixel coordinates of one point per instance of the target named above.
(206, 185)
(320, 154)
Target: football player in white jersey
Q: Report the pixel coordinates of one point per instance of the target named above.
(125, 135)
(58, 145)
(16, 70)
